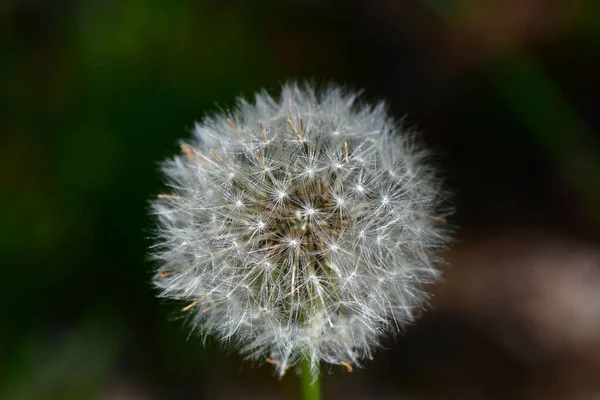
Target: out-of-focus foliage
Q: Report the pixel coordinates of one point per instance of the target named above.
(93, 94)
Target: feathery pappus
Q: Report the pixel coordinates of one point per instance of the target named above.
(303, 225)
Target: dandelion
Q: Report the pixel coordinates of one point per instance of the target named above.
(303, 227)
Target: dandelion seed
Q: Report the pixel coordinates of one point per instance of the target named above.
(308, 227)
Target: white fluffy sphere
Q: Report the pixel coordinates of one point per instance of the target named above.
(302, 226)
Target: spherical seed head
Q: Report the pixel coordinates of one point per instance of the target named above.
(302, 226)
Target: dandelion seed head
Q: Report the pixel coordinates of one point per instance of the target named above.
(304, 225)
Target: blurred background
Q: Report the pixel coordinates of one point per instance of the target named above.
(94, 94)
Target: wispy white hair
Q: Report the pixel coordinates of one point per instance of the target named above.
(300, 226)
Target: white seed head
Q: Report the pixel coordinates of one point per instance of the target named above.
(300, 226)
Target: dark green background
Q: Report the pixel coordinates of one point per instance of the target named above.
(94, 94)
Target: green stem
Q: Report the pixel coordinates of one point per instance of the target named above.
(311, 384)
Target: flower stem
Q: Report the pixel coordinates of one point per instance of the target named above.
(311, 383)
